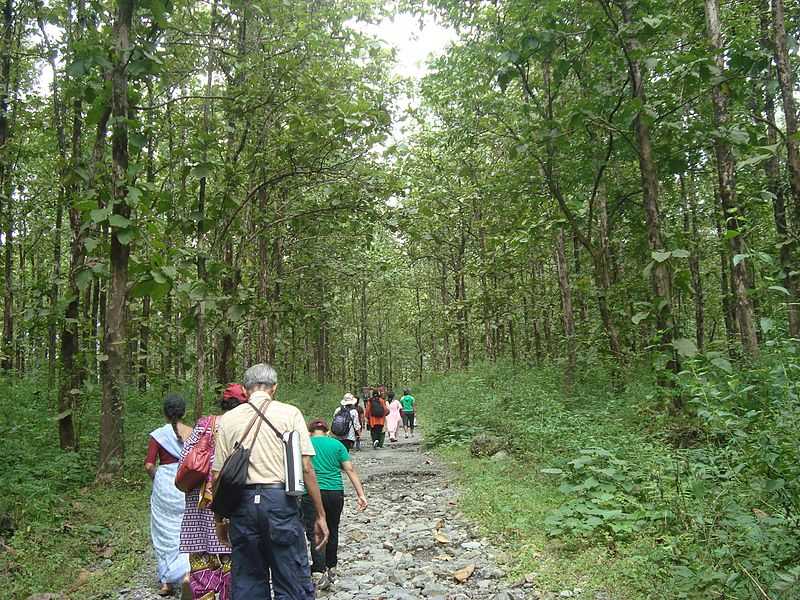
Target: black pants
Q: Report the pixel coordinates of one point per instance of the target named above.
(333, 503)
(268, 549)
(408, 420)
(348, 443)
(378, 434)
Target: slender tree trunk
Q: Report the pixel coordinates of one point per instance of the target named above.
(788, 91)
(7, 361)
(693, 237)
(448, 356)
(726, 174)
(73, 370)
(200, 332)
(567, 313)
(363, 372)
(112, 448)
(602, 275)
(227, 348)
(661, 277)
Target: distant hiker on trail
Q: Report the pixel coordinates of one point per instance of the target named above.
(209, 559)
(346, 424)
(330, 460)
(265, 529)
(167, 501)
(408, 401)
(376, 412)
(361, 419)
(394, 417)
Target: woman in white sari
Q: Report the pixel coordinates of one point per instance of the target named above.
(166, 501)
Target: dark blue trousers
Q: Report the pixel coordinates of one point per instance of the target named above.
(268, 543)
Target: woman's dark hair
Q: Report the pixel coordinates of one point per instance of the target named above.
(406, 392)
(391, 395)
(227, 404)
(376, 394)
(174, 409)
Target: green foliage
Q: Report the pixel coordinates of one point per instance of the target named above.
(56, 521)
(706, 504)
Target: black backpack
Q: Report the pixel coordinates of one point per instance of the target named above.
(342, 422)
(230, 483)
(376, 407)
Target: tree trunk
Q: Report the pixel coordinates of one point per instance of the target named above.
(566, 307)
(144, 343)
(227, 348)
(602, 275)
(7, 361)
(448, 356)
(363, 322)
(786, 82)
(200, 331)
(112, 449)
(693, 237)
(726, 175)
(661, 277)
(72, 370)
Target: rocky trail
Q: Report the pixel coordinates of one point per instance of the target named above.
(411, 543)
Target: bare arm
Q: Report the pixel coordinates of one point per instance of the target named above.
(151, 469)
(312, 487)
(348, 468)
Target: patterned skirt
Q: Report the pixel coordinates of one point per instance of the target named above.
(210, 576)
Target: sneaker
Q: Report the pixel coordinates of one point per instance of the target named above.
(375, 444)
(320, 581)
(332, 575)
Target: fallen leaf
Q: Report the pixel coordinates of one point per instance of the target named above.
(83, 578)
(760, 513)
(358, 536)
(439, 524)
(441, 538)
(463, 574)
(445, 557)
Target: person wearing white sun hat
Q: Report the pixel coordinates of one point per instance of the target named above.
(346, 424)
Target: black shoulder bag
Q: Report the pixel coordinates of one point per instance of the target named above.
(232, 479)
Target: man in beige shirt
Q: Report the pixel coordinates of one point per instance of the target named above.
(266, 531)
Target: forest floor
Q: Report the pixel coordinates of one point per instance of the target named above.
(411, 542)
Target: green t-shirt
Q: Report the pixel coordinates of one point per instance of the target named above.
(330, 454)
(408, 403)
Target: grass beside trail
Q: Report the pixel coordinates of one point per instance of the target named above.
(71, 534)
(511, 498)
(603, 490)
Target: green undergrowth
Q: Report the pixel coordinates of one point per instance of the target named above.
(604, 490)
(60, 531)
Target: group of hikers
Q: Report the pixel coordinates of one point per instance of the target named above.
(379, 415)
(208, 546)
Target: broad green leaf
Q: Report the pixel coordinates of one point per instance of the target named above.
(119, 221)
(685, 347)
(722, 363)
(681, 253)
(99, 215)
(660, 256)
(767, 324)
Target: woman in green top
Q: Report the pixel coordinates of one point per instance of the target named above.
(330, 460)
(408, 402)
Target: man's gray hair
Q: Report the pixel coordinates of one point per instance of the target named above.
(259, 375)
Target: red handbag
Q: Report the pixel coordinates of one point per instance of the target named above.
(196, 465)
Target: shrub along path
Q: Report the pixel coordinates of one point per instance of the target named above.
(411, 543)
